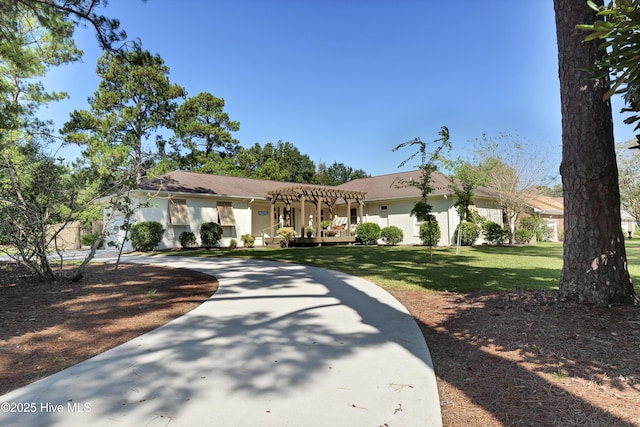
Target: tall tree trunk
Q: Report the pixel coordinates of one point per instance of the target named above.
(595, 261)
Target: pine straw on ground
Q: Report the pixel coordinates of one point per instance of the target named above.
(501, 359)
(46, 327)
(522, 359)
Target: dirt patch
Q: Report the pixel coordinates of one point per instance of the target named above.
(47, 327)
(521, 359)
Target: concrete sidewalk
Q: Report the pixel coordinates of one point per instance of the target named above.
(277, 345)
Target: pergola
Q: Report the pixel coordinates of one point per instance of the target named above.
(319, 196)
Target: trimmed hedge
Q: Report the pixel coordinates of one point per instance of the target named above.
(368, 233)
(187, 239)
(494, 233)
(146, 235)
(470, 233)
(210, 234)
(391, 235)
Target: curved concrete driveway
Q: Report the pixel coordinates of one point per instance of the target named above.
(277, 345)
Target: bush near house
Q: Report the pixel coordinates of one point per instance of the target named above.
(286, 234)
(210, 234)
(391, 235)
(89, 239)
(494, 233)
(470, 233)
(187, 239)
(368, 233)
(430, 231)
(522, 236)
(537, 225)
(248, 240)
(146, 235)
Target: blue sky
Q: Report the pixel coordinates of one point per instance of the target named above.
(348, 80)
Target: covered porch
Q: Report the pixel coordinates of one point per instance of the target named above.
(322, 219)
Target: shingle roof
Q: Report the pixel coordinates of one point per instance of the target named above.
(383, 187)
(549, 205)
(394, 186)
(219, 185)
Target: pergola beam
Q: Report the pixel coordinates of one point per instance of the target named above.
(317, 195)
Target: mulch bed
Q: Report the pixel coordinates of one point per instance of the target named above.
(522, 359)
(47, 327)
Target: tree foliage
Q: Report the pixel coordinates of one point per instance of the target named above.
(203, 133)
(134, 101)
(336, 174)
(428, 165)
(36, 190)
(464, 181)
(617, 27)
(58, 17)
(514, 170)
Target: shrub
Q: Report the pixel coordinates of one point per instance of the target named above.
(248, 240)
(368, 233)
(233, 244)
(494, 233)
(470, 233)
(210, 234)
(430, 231)
(391, 235)
(89, 239)
(537, 225)
(146, 235)
(523, 236)
(187, 239)
(286, 235)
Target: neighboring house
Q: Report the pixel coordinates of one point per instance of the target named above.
(552, 210)
(182, 201)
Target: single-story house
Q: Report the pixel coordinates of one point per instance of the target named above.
(551, 209)
(182, 201)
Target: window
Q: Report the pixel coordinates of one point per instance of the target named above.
(178, 212)
(383, 208)
(353, 216)
(225, 214)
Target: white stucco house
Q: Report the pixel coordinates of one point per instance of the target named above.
(182, 201)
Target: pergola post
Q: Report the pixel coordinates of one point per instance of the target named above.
(318, 215)
(303, 215)
(348, 217)
(272, 220)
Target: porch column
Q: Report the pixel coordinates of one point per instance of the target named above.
(349, 217)
(303, 215)
(271, 220)
(361, 207)
(318, 215)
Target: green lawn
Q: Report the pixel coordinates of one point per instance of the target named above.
(492, 268)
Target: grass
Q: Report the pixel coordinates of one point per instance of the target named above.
(490, 268)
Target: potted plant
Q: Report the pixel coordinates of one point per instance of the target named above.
(326, 223)
(308, 230)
